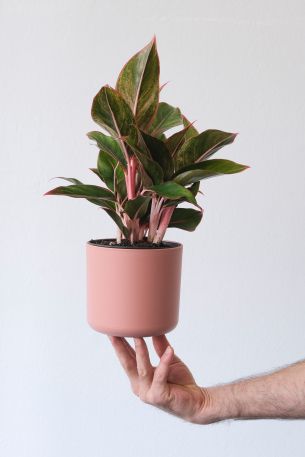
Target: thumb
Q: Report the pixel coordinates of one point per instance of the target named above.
(162, 370)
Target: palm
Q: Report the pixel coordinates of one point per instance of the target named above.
(179, 373)
(185, 397)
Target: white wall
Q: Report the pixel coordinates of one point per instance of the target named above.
(235, 65)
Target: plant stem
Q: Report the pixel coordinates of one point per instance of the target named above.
(142, 231)
(165, 220)
(130, 177)
(152, 219)
(134, 227)
(155, 213)
(119, 236)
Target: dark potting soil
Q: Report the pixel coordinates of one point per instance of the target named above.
(126, 244)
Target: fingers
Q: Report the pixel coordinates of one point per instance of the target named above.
(126, 356)
(160, 344)
(129, 348)
(159, 392)
(161, 372)
(144, 367)
(136, 363)
(148, 383)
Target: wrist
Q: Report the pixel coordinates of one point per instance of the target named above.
(221, 404)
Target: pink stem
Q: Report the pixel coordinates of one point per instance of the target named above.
(154, 218)
(142, 231)
(165, 220)
(130, 177)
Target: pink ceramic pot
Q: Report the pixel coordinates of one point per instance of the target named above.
(133, 291)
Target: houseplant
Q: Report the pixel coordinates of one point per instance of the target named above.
(133, 280)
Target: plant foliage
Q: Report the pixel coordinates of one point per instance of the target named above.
(145, 172)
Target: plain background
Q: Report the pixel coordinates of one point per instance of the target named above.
(233, 65)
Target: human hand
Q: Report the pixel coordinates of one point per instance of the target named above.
(170, 386)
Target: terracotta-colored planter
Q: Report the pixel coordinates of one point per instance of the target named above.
(133, 291)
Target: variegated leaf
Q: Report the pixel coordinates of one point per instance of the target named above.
(138, 83)
(110, 111)
(165, 118)
(202, 146)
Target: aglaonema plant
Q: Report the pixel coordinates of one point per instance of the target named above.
(145, 173)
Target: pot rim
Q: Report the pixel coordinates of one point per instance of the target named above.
(176, 245)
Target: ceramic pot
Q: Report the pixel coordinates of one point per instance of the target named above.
(133, 291)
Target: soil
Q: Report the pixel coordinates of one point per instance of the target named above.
(126, 244)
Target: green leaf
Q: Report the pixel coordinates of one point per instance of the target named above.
(110, 111)
(111, 173)
(174, 142)
(95, 171)
(136, 208)
(185, 219)
(159, 154)
(120, 183)
(138, 83)
(191, 131)
(116, 218)
(73, 180)
(108, 144)
(165, 118)
(202, 146)
(202, 170)
(105, 204)
(82, 191)
(105, 165)
(194, 188)
(173, 191)
(109, 204)
(94, 194)
(150, 170)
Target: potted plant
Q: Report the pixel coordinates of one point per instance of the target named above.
(133, 280)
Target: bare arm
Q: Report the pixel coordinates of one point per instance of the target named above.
(171, 387)
(278, 395)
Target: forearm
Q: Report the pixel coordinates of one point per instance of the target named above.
(278, 395)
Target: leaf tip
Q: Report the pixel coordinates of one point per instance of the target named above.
(163, 85)
(243, 168)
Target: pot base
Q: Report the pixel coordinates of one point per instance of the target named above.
(132, 333)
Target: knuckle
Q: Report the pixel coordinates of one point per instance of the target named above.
(134, 390)
(159, 376)
(156, 398)
(143, 397)
(128, 366)
(142, 373)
